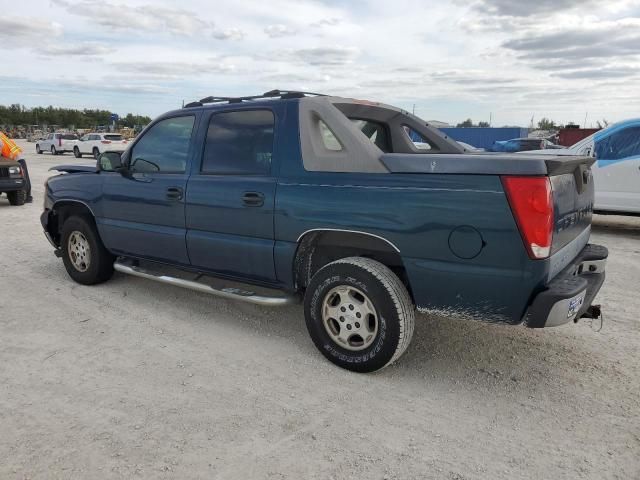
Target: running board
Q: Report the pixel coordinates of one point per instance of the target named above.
(214, 286)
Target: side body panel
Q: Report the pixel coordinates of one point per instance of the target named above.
(434, 220)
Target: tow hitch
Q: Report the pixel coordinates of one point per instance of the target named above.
(594, 312)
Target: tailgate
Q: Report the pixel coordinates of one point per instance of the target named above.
(573, 192)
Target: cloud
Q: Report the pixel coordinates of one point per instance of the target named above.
(22, 31)
(599, 73)
(279, 30)
(326, 55)
(174, 69)
(518, 8)
(229, 34)
(326, 22)
(466, 77)
(83, 49)
(147, 18)
(601, 40)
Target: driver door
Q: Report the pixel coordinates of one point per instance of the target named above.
(143, 213)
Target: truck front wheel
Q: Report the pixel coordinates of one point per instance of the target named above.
(85, 258)
(17, 197)
(359, 314)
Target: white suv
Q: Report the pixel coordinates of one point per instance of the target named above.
(95, 143)
(57, 143)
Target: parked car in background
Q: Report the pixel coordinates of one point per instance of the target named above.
(57, 143)
(616, 172)
(96, 143)
(518, 145)
(329, 199)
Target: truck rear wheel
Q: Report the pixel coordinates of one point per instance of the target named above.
(76, 152)
(359, 314)
(17, 197)
(85, 258)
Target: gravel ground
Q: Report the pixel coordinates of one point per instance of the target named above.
(134, 379)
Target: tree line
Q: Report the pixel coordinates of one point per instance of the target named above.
(18, 115)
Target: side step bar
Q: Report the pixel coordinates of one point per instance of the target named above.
(131, 267)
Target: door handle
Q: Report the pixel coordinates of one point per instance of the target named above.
(253, 199)
(175, 193)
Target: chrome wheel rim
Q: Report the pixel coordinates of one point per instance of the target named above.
(349, 318)
(79, 251)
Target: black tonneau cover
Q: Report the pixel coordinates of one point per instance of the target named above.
(484, 163)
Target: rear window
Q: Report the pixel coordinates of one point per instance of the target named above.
(115, 137)
(374, 131)
(68, 136)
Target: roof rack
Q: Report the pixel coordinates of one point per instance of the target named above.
(282, 94)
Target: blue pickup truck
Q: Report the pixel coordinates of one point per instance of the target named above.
(289, 196)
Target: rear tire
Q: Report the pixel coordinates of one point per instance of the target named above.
(96, 152)
(17, 198)
(375, 314)
(76, 152)
(85, 257)
(38, 149)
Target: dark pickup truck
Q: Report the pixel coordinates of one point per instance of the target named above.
(288, 196)
(13, 181)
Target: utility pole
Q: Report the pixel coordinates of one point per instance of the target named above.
(490, 118)
(585, 120)
(414, 109)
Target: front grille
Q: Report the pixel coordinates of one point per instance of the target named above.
(4, 172)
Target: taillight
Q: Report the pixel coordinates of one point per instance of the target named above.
(531, 201)
(105, 141)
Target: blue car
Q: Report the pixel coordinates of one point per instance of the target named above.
(288, 197)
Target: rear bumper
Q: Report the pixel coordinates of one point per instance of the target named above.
(12, 184)
(570, 294)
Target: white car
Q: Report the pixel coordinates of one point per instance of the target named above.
(616, 173)
(57, 143)
(96, 143)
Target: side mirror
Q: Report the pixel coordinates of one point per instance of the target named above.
(110, 162)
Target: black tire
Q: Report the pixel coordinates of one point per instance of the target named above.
(38, 149)
(100, 264)
(53, 150)
(76, 152)
(17, 197)
(96, 152)
(393, 307)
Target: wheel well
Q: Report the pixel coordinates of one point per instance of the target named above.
(318, 248)
(63, 210)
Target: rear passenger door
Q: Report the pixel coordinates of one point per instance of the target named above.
(231, 195)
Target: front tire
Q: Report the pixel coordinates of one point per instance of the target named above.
(38, 149)
(96, 152)
(359, 314)
(85, 257)
(17, 198)
(53, 150)
(76, 152)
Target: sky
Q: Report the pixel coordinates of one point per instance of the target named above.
(504, 60)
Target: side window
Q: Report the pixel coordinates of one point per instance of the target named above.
(418, 140)
(374, 131)
(620, 145)
(329, 139)
(239, 143)
(164, 147)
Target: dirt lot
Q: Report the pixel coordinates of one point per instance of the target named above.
(133, 379)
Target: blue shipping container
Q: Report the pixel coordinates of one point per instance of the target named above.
(484, 137)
